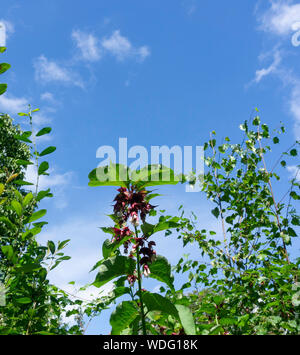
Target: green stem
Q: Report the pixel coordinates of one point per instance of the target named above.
(140, 286)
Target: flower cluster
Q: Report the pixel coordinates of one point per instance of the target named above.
(131, 203)
(119, 234)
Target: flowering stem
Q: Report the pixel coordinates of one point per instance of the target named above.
(140, 285)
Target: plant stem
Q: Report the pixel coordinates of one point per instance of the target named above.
(140, 286)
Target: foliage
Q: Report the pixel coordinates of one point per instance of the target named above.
(32, 304)
(253, 284)
(243, 282)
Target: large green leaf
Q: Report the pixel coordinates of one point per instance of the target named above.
(24, 300)
(37, 215)
(17, 207)
(160, 270)
(155, 174)
(27, 199)
(124, 314)
(44, 166)
(186, 319)
(112, 268)
(48, 150)
(28, 268)
(149, 229)
(111, 175)
(156, 302)
(43, 131)
(8, 251)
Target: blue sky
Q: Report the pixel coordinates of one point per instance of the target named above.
(157, 72)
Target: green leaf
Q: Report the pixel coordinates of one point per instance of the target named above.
(8, 251)
(294, 195)
(17, 207)
(48, 150)
(24, 300)
(42, 194)
(62, 244)
(154, 175)
(3, 88)
(28, 268)
(293, 152)
(27, 199)
(166, 224)
(4, 67)
(112, 268)
(1, 189)
(108, 247)
(283, 163)
(216, 212)
(37, 215)
(186, 319)
(24, 137)
(124, 314)
(119, 291)
(160, 270)
(156, 302)
(51, 246)
(8, 222)
(45, 130)
(2, 49)
(23, 183)
(24, 162)
(110, 175)
(44, 166)
(147, 229)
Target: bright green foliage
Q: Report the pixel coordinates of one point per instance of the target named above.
(253, 285)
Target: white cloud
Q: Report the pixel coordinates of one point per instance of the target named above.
(190, 7)
(295, 108)
(47, 96)
(88, 45)
(259, 74)
(84, 248)
(122, 48)
(13, 105)
(294, 172)
(6, 28)
(45, 181)
(57, 183)
(280, 18)
(50, 71)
